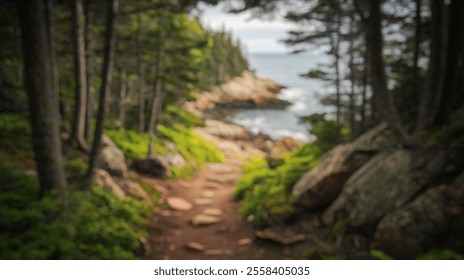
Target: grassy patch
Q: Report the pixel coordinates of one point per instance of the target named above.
(265, 187)
(176, 128)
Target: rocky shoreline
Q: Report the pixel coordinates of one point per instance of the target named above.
(247, 91)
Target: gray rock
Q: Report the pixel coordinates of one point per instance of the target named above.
(112, 159)
(320, 186)
(104, 179)
(408, 231)
(153, 166)
(135, 190)
(383, 184)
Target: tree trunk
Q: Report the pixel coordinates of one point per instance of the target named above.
(453, 92)
(88, 59)
(140, 73)
(337, 68)
(431, 94)
(52, 47)
(43, 100)
(383, 98)
(80, 77)
(107, 78)
(157, 100)
(352, 112)
(123, 90)
(417, 37)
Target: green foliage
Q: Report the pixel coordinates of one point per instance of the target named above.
(174, 115)
(450, 135)
(191, 146)
(95, 224)
(176, 128)
(380, 255)
(329, 133)
(133, 144)
(264, 188)
(441, 254)
(315, 253)
(434, 254)
(16, 132)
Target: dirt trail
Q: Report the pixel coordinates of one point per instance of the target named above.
(231, 238)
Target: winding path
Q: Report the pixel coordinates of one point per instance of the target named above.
(179, 234)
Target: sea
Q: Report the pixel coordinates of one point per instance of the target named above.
(303, 93)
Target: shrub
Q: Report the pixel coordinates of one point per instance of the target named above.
(265, 189)
(94, 225)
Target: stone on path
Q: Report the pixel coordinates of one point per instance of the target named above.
(203, 220)
(244, 241)
(194, 246)
(223, 168)
(179, 204)
(208, 194)
(228, 178)
(219, 252)
(212, 185)
(213, 212)
(203, 201)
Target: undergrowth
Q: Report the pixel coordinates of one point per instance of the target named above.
(265, 187)
(94, 224)
(176, 128)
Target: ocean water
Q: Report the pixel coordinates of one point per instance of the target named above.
(303, 93)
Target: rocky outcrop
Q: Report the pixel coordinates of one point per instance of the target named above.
(135, 190)
(153, 166)
(455, 209)
(408, 231)
(245, 91)
(112, 158)
(104, 179)
(321, 185)
(385, 183)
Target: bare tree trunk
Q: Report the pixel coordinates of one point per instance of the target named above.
(352, 112)
(107, 78)
(140, 73)
(88, 59)
(417, 37)
(52, 47)
(158, 91)
(384, 100)
(337, 68)
(43, 99)
(123, 90)
(80, 76)
(435, 72)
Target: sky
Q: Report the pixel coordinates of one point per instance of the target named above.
(257, 35)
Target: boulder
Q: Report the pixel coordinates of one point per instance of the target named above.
(135, 190)
(153, 166)
(384, 183)
(455, 198)
(104, 179)
(408, 231)
(320, 186)
(112, 158)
